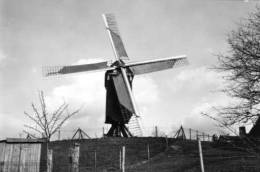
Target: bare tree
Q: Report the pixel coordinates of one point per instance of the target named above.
(241, 67)
(45, 123)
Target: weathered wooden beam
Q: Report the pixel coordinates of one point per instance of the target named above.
(74, 157)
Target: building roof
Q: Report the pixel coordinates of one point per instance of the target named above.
(23, 140)
(255, 130)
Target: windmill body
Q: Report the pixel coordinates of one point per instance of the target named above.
(120, 103)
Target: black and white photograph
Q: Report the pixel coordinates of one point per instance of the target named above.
(129, 86)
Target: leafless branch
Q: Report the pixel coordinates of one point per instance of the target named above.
(48, 123)
(241, 67)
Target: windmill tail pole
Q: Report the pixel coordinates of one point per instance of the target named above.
(136, 112)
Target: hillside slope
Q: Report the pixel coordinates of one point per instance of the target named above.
(184, 156)
(165, 155)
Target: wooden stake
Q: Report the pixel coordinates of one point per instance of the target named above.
(201, 156)
(74, 155)
(123, 159)
(167, 144)
(148, 157)
(95, 160)
(19, 160)
(156, 131)
(49, 160)
(148, 153)
(120, 159)
(59, 135)
(190, 133)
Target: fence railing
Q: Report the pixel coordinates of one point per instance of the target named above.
(137, 155)
(157, 131)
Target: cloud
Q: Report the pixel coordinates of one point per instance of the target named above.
(2, 55)
(11, 125)
(197, 90)
(181, 99)
(86, 92)
(196, 79)
(205, 105)
(146, 92)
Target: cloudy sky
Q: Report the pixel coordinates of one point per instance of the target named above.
(36, 33)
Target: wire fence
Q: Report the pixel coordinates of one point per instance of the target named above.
(179, 156)
(150, 154)
(156, 131)
(177, 150)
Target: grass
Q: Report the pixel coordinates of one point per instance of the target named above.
(179, 155)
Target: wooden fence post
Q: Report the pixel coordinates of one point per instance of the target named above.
(156, 131)
(190, 133)
(167, 144)
(74, 157)
(123, 159)
(95, 160)
(19, 160)
(59, 134)
(148, 157)
(49, 160)
(120, 159)
(201, 156)
(148, 152)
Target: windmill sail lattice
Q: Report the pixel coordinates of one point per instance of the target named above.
(121, 108)
(149, 66)
(134, 126)
(58, 70)
(115, 38)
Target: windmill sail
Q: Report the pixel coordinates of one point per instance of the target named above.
(122, 93)
(115, 38)
(56, 70)
(156, 65)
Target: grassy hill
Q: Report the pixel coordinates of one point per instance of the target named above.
(165, 155)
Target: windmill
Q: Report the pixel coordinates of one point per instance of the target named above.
(120, 103)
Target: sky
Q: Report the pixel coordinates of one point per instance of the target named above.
(37, 33)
